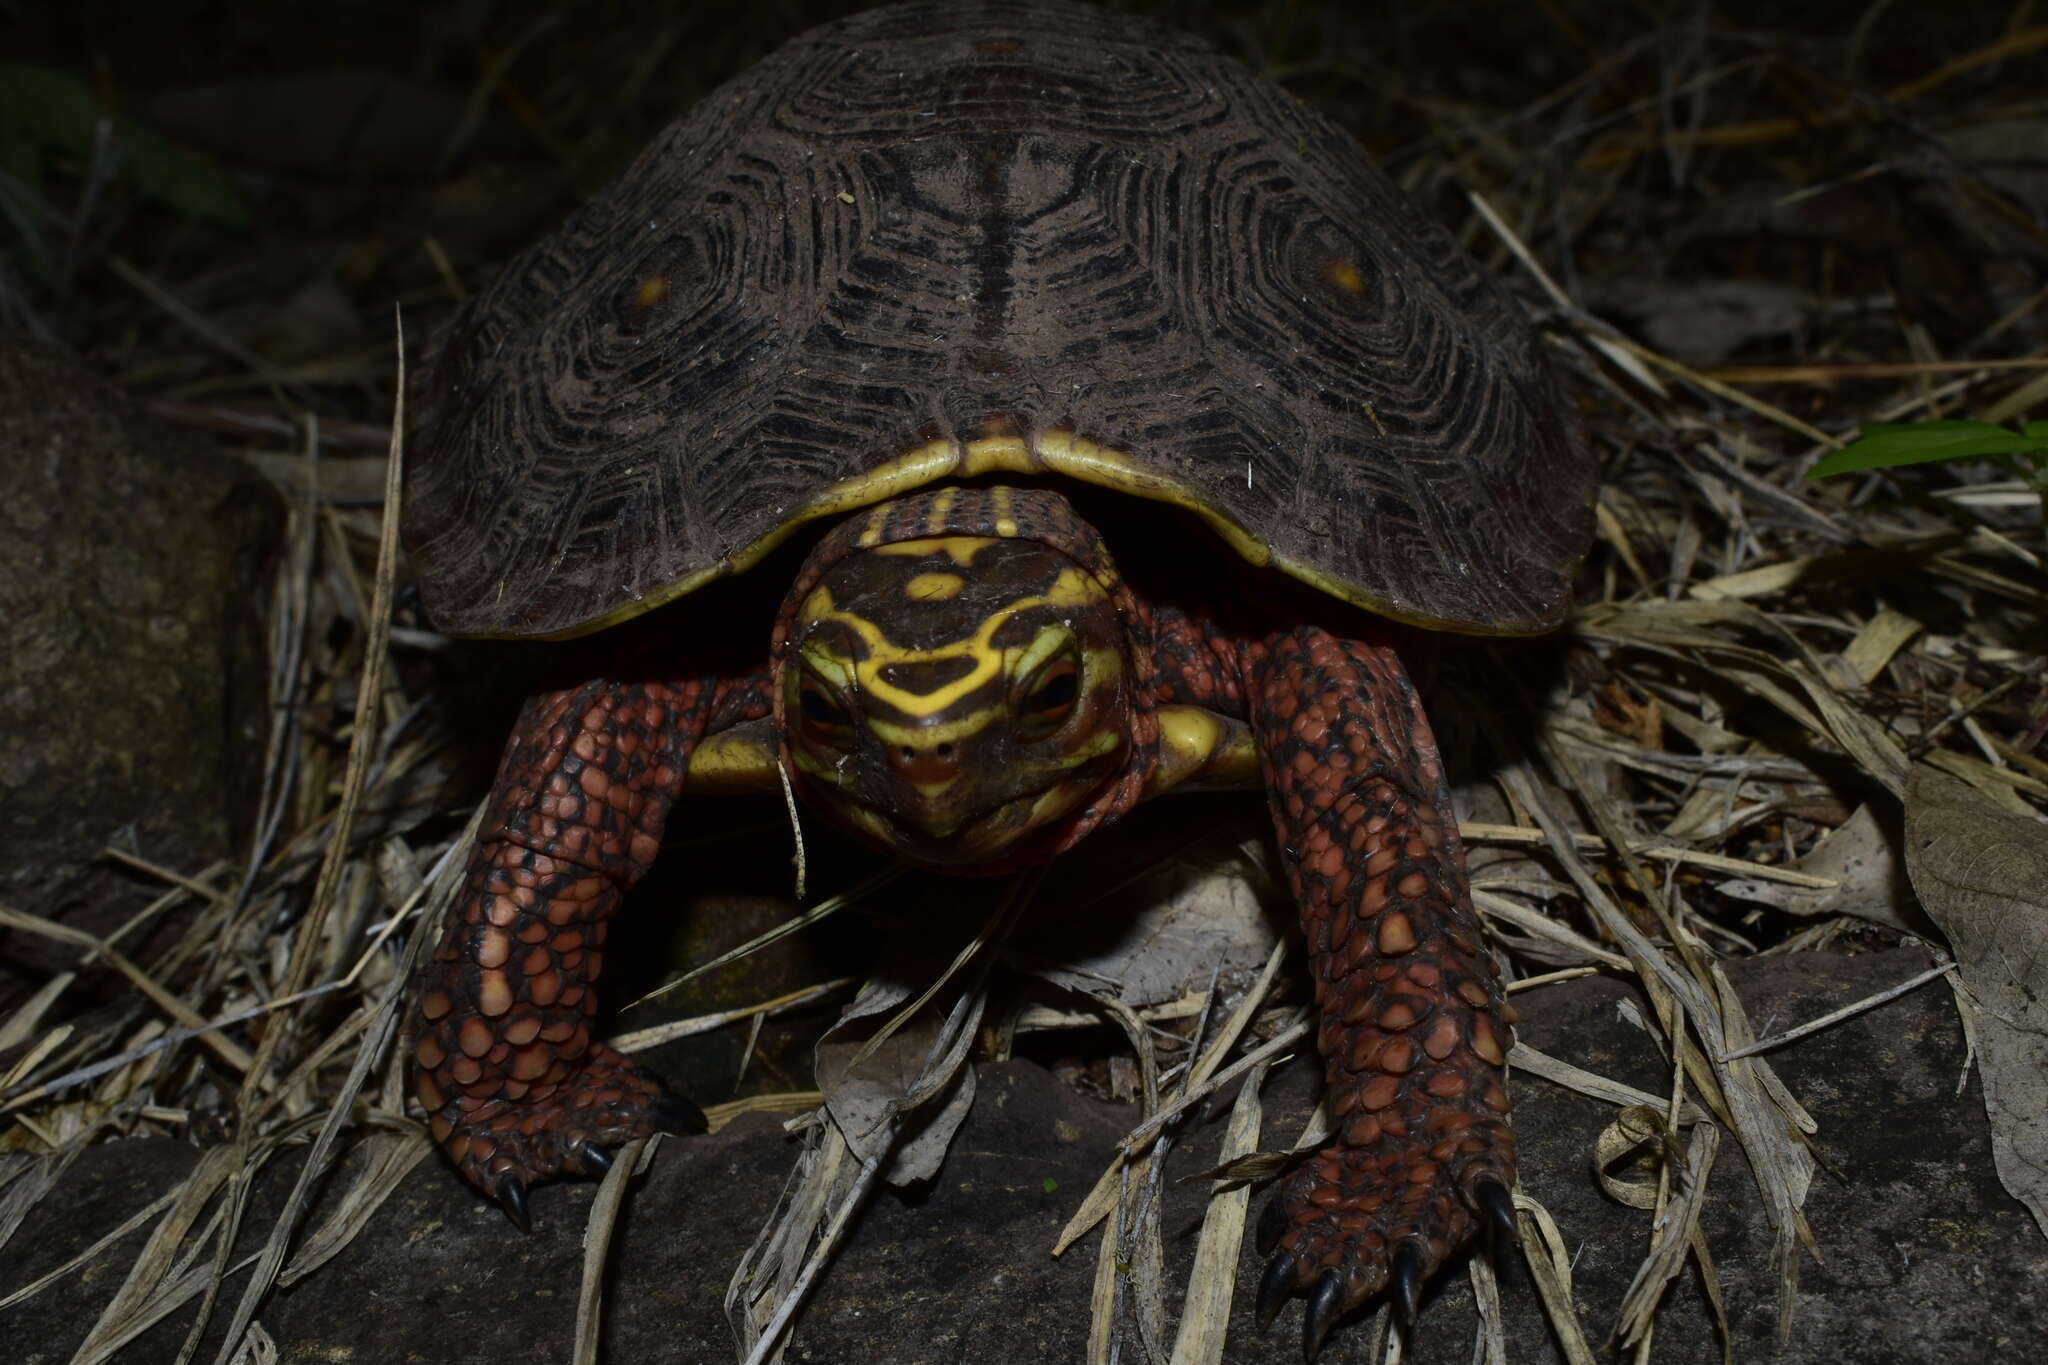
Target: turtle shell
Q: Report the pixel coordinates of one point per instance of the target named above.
(942, 240)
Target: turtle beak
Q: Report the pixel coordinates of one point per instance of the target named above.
(927, 791)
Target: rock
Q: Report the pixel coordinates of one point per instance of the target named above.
(1926, 1257)
(133, 696)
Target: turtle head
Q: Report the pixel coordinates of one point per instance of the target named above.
(950, 697)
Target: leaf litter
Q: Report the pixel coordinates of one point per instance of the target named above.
(1791, 711)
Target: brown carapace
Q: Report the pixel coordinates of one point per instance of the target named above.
(907, 280)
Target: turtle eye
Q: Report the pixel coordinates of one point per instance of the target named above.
(821, 712)
(1049, 699)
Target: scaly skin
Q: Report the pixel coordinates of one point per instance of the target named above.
(1412, 1031)
(1413, 1027)
(514, 1088)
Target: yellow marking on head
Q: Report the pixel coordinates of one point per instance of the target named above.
(934, 587)
(1003, 497)
(1345, 276)
(874, 532)
(960, 549)
(1073, 588)
(942, 506)
(739, 761)
(1043, 646)
(1097, 663)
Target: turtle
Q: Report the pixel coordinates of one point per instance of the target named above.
(935, 303)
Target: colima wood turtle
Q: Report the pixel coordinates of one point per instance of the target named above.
(914, 287)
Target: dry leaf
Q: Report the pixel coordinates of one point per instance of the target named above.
(1860, 857)
(1191, 898)
(899, 1085)
(1982, 874)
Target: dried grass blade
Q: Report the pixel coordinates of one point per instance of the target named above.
(383, 1024)
(1212, 1280)
(1677, 1229)
(1522, 1057)
(1649, 848)
(152, 1270)
(170, 1004)
(1550, 1265)
(1490, 1339)
(391, 1158)
(29, 1184)
(23, 1021)
(781, 931)
(1103, 1297)
(642, 1040)
(1094, 1208)
(1782, 1166)
(1849, 1011)
(1536, 923)
(376, 649)
(769, 1268)
(91, 1253)
(771, 1335)
(369, 697)
(603, 1221)
(1233, 1028)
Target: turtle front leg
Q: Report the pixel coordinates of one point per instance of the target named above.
(1412, 1030)
(514, 1087)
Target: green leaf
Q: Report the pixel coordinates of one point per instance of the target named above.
(180, 182)
(1885, 445)
(47, 116)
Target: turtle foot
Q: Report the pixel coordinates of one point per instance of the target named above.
(504, 1147)
(1357, 1222)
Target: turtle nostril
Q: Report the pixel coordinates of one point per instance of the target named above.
(944, 751)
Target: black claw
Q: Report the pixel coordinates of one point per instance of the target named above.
(1272, 1223)
(671, 1113)
(1405, 1279)
(594, 1159)
(1325, 1306)
(511, 1194)
(1499, 1208)
(1274, 1287)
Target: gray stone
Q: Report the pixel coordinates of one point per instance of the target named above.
(132, 690)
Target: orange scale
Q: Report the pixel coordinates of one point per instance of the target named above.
(1379, 1092)
(1442, 1039)
(544, 988)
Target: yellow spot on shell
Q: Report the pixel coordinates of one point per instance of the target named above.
(1345, 276)
(934, 587)
(652, 290)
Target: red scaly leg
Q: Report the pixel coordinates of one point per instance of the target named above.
(514, 1087)
(1412, 1017)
